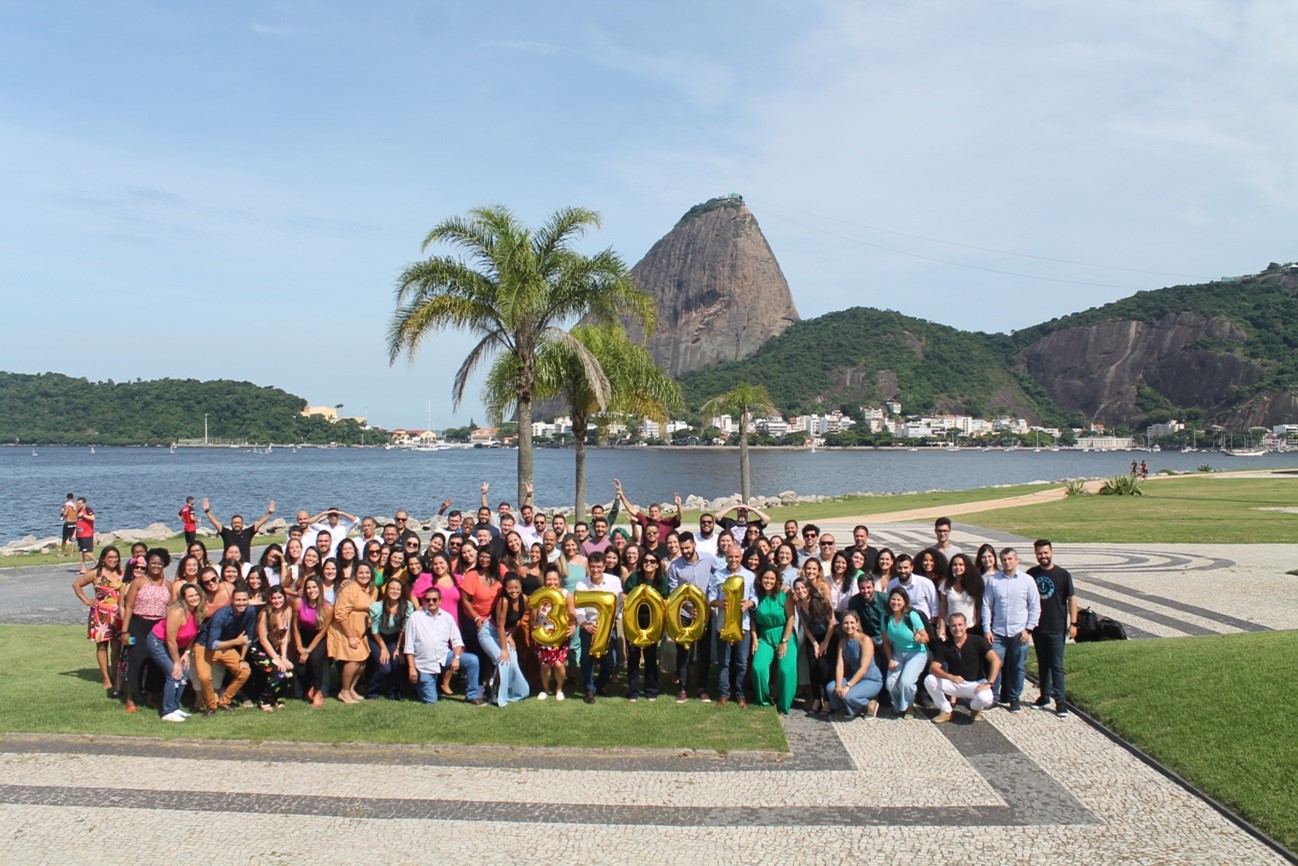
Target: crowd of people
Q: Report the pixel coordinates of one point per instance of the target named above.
(498, 606)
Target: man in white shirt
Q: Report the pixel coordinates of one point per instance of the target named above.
(919, 589)
(337, 523)
(587, 618)
(432, 642)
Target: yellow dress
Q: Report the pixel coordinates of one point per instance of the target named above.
(352, 606)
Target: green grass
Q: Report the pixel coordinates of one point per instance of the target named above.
(56, 690)
(1216, 710)
(1186, 509)
(849, 506)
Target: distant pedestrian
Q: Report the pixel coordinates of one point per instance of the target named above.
(1144, 470)
(68, 513)
(85, 533)
(189, 520)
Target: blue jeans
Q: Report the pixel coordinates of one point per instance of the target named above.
(426, 687)
(858, 695)
(589, 680)
(733, 659)
(1013, 653)
(1050, 663)
(511, 684)
(903, 680)
(173, 689)
(384, 678)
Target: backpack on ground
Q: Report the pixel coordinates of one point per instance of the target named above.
(1088, 625)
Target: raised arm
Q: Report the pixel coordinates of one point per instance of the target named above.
(270, 509)
(527, 495)
(723, 512)
(626, 503)
(207, 509)
(485, 487)
(766, 518)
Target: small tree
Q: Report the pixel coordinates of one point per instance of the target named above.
(744, 401)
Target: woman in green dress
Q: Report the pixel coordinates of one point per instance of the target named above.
(772, 625)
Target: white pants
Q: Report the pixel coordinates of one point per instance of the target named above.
(978, 693)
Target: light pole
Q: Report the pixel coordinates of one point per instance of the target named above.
(204, 429)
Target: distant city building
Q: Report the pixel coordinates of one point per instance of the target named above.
(1105, 443)
(1171, 428)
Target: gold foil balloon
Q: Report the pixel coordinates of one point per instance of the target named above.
(646, 597)
(605, 604)
(677, 630)
(556, 632)
(732, 618)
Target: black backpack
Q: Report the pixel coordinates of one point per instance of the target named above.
(1092, 627)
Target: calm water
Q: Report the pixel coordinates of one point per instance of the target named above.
(132, 487)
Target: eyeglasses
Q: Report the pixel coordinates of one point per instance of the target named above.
(399, 519)
(211, 581)
(827, 544)
(413, 545)
(432, 601)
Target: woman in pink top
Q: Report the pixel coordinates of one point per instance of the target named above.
(169, 643)
(144, 605)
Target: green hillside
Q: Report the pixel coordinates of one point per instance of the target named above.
(864, 355)
(50, 408)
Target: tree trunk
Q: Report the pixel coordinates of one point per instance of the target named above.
(745, 484)
(524, 445)
(579, 425)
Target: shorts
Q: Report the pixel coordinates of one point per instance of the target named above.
(87, 544)
(69, 532)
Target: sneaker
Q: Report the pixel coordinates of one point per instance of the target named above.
(1015, 705)
(476, 702)
(558, 696)
(722, 701)
(872, 710)
(651, 698)
(542, 696)
(975, 715)
(682, 698)
(942, 718)
(182, 713)
(703, 696)
(1061, 709)
(631, 699)
(1041, 703)
(174, 716)
(590, 697)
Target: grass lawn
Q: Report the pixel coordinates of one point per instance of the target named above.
(849, 506)
(1222, 716)
(1199, 508)
(175, 544)
(51, 684)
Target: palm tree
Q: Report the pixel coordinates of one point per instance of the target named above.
(511, 286)
(745, 401)
(594, 369)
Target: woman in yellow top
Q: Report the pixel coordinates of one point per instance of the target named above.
(349, 631)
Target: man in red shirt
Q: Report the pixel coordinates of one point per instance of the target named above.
(655, 515)
(189, 520)
(85, 533)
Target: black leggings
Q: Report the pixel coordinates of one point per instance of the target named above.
(821, 669)
(314, 672)
(137, 658)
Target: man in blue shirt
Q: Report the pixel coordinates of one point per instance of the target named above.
(732, 657)
(224, 641)
(692, 567)
(1011, 609)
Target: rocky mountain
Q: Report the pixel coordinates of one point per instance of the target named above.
(720, 291)
(1223, 352)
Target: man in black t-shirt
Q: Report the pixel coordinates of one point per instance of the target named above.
(236, 533)
(964, 668)
(1058, 623)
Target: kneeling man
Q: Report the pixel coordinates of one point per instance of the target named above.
(432, 642)
(965, 670)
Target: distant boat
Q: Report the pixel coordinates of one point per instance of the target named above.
(172, 449)
(34, 454)
(1236, 452)
(92, 449)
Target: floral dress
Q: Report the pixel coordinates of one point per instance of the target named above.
(106, 612)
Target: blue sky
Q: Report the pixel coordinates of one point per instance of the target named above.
(229, 190)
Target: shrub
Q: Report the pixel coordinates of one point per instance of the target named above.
(1206, 468)
(1075, 487)
(1121, 485)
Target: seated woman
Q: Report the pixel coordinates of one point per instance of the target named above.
(772, 625)
(269, 654)
(311, 618)
(904, 639)
(856, 677)
(388, 618)
(169, 644)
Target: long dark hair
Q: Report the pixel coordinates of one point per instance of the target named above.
(979, 558)
(775, 590)
(971, 580)
(389, 620)
(879, 556)
(939, 563)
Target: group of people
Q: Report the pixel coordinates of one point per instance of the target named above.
(355, 609)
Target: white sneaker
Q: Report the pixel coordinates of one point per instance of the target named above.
(542, 696)
(558, 696)
(174, 716)
(184, 714)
